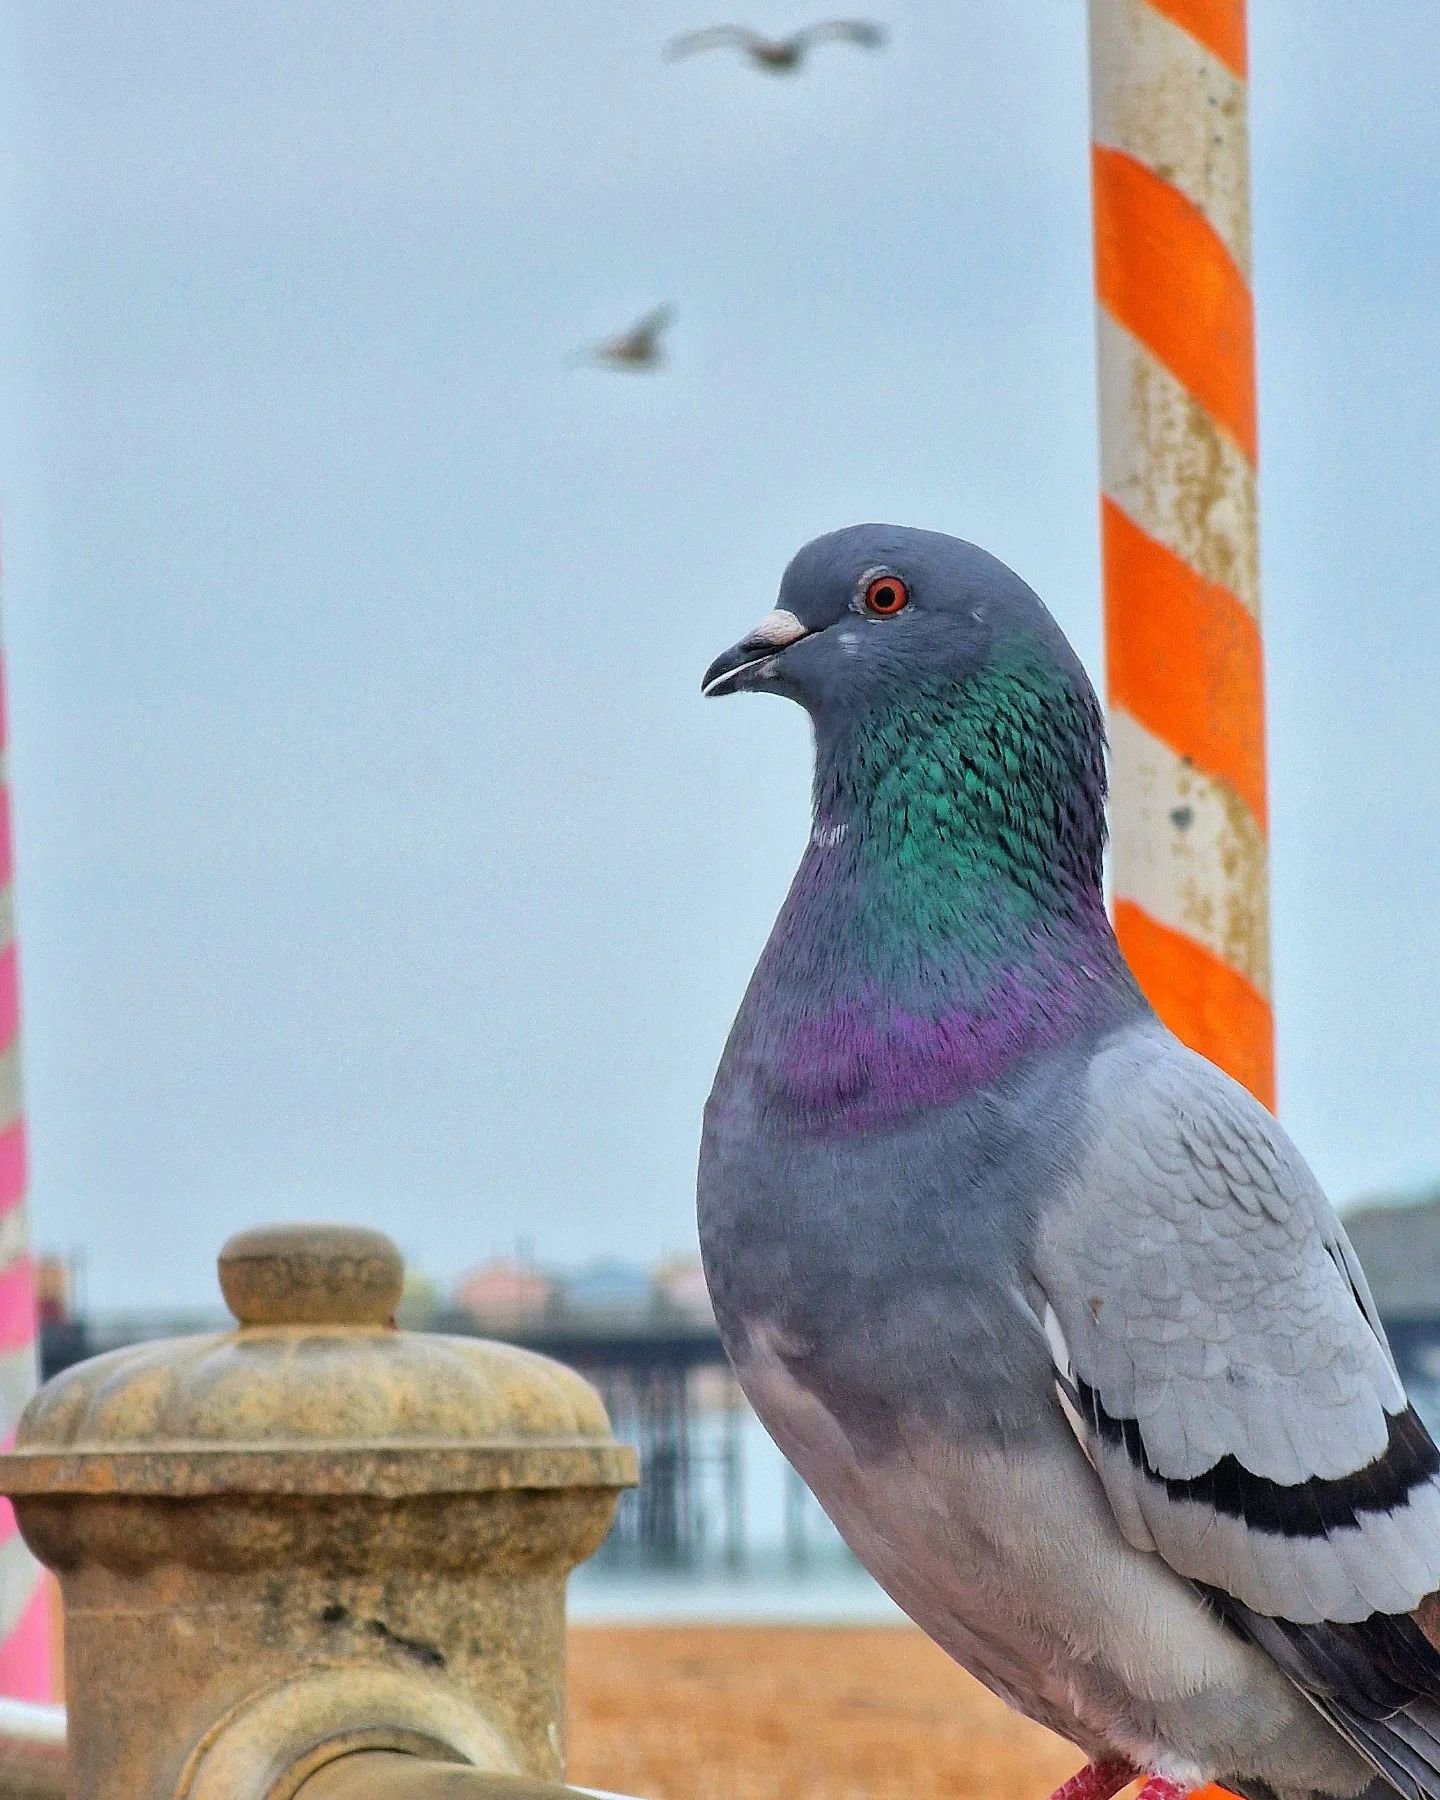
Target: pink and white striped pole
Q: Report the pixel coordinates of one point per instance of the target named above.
(25, 1611)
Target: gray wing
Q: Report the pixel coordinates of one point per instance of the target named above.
(653, 323)
(1219, 1357)
(850, 31)
(713, 37)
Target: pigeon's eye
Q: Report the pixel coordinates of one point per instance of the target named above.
(886, 595)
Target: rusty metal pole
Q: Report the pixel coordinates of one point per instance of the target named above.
(1178, 520)
(313, 1540)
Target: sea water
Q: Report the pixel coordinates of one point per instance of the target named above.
(790, 1564)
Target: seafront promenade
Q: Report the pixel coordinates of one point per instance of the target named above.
(794, 1712)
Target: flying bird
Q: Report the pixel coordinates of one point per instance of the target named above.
(780, 56)
(1048, 1311)
(638, 347)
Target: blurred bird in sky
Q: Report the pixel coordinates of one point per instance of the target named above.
(780, 56)
(638, 347)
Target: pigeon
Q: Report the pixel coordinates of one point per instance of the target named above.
(778, 56)
(638, 347)
(1049, 1312)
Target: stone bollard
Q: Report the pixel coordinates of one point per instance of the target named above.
(311, 1536)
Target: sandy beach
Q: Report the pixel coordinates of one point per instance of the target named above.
(794, 1713)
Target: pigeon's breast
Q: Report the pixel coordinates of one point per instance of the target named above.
(867, 1065)
(889, 1262)
(832, 1059)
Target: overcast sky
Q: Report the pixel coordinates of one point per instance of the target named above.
(378, 857)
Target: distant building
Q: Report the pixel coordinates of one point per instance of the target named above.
(610, 1286)
(505, 1292)
(680, 1282)
(52, 1290)
(1398, 1243)
(419, 1302)
(1399, 1246)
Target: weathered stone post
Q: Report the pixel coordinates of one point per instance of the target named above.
(311, 1536)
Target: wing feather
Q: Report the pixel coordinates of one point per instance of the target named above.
(712, 37)
(1219, 1356)
(851, 31)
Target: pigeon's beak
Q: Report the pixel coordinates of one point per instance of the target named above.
(749, 661)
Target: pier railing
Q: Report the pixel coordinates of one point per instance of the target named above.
(659, 1368)
(310, 1557)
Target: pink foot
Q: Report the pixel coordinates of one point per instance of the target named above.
(1098, 1781)
(1159, 1787)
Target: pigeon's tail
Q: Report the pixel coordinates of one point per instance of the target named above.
(1379, 1789)
(1258, 1790)
(1377, 1683)
(1405, 1747)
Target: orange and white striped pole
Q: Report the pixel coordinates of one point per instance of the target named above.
(25, 1600)
(1179, 531)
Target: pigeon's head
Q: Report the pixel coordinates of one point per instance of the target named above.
(866, 615)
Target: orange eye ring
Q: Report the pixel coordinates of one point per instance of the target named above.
(886, 595)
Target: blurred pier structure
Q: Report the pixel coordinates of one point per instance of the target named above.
(660, 1369)
(669, 1390)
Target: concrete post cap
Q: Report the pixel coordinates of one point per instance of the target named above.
(315, 1391)
(311, 1275)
